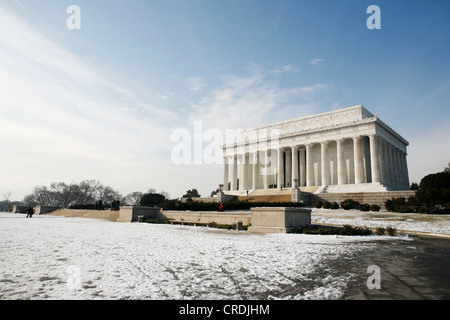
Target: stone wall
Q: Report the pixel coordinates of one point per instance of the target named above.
(45, 209)
(228, 218)
(131, 213)
(19, 209)
(378, 198)
(279, 219)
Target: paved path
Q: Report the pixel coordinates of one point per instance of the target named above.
(417, 270)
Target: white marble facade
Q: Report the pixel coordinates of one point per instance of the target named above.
(344, 147)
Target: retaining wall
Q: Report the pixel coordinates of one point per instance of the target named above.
(131, 213)
(378, 198)
(230, 217)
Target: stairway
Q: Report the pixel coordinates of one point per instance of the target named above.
(353, 188)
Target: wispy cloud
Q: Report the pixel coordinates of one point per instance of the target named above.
(242, 102)
(63, 117)
(195, 83)
(67, 110)
(285, 69)
(316, 61)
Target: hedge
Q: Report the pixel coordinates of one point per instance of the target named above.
(214, 206)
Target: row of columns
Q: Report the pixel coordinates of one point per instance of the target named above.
(387, 165)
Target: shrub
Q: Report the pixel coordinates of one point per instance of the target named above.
(434, 189)
(152, 199)
(356, 231)
(349, 204)
(318, 204)
(346, 230)
(326, 205)
(391, 231)
(380, 231)
(375, 207)
(216, 225)
(334, 205)
(398, 205)
(364, 207)
(214, 206)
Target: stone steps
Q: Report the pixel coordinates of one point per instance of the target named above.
(354, 188)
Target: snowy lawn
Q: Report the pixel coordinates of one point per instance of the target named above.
(401, 221)
(74, 258)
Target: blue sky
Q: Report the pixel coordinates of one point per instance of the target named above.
(102, 102)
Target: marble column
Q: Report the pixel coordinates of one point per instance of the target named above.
(405, 164)
(234, 174)
(280, 168)
(255, 177)
(266, 170)
(340, 161)
(386, 164)
(325, 165)
(358, 160)
(399, 169)
(294, 166)
(402, 170)
(241, 171)
(302, 164)
(374, 159)
(245, 172)
(225, 173)
(287, 170)
(309, 166)
(395, 166)
(392, 166)
(380, 159)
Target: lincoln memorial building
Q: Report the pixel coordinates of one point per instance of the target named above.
(341, 151)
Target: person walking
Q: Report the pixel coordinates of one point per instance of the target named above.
(30, 212)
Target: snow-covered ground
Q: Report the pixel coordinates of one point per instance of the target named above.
(420, 223)
(74, 258)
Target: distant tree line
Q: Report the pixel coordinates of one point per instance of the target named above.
(83, 194)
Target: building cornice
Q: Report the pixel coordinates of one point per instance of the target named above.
(331, 122)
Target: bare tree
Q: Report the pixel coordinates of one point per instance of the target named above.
(6, 201)
(165, 194)
(109, 194)
(65, 194)
(89, 191)
(40, 195)
(133, 198)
